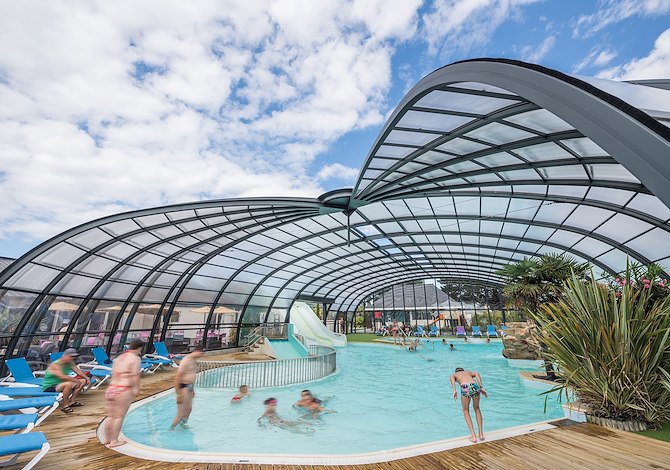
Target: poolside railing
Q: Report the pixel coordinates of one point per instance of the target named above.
(320, 363)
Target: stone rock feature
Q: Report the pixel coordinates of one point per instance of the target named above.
(521, 342)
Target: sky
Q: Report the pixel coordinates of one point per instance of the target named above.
(107, 107)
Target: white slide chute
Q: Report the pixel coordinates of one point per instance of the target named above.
(308, 325)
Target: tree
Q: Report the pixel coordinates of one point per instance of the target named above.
(532, 282)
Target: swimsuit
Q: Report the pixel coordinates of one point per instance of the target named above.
(189, 387)
(470, 390)
(113, 391)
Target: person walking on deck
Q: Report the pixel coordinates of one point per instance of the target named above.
(125, 386)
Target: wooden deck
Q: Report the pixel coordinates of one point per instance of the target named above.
(74, 445)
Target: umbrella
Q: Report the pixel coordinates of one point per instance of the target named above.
(206, 309)
(63, 307)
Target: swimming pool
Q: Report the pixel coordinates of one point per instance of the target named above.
(385, 398)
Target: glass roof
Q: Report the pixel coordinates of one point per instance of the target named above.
(466, 177)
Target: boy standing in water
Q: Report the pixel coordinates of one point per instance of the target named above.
(471, 387)
(184, 386)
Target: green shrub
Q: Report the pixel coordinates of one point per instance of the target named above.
(612, 348)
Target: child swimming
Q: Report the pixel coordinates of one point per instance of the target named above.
(270, 417)
(244, 392)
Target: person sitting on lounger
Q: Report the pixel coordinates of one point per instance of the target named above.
(244, 392)
(471, 388)
(57, 379)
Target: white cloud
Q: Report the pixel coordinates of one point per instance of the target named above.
(655, 65)
(339, 172)
(597, 57)
(614, 11)
(111, 106)
(535, 54)
(463, 25)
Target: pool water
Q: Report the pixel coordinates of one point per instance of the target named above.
(385, 397)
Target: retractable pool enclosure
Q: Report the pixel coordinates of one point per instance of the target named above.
(483, 162)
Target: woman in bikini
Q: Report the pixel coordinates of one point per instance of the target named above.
(125, 386)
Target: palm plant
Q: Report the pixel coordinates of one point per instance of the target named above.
(613, 351)
(534, 281)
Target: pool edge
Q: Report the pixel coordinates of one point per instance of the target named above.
(137, 450)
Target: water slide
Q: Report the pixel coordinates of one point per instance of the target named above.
(312, 328)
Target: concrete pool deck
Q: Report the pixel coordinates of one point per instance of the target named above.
(74, 444)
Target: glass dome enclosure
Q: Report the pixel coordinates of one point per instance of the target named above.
(482, 163)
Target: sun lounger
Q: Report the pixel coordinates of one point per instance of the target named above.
(19, 423)
(104, 363)
(18, 444)
(460, 331)
(491, 331)
(162, 351)
(21, 372)
(420, 331)
(434, 331)
(503, 330)
(18, 392)
(43, 406)
(476, 331)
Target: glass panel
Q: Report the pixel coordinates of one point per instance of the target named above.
(461, 146)
(584, 147)
(462, 102)
(541, 120)
(32, 277)
(432, 121)
(499, 134)
(543, 152)
(410, 138)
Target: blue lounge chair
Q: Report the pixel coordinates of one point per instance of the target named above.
(21, 443)
(434, 331)
(22, 392)
(104, 363)
(476, 331)
(162, 352)
(491, 331)
(44, 406)
(420, 331)
(503, 330)
(158, 360)
(19, 423)
(460, 331)
(21, 371)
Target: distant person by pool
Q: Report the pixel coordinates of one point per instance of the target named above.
(471, 386)
(270, 417)
(465, 339)
(488, 340)
(451, 347)
(243, 392)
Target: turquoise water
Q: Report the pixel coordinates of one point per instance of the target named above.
(385, 397)
(286, 349)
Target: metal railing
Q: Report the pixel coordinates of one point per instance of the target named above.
(320, 363)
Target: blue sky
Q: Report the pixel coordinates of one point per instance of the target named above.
(114, 106)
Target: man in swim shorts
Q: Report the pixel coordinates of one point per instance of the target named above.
(471, 387)
(184, 386)
(125, 386)
(58, 379)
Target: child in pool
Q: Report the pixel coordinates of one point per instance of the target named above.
(244, 392)
(271, 417)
